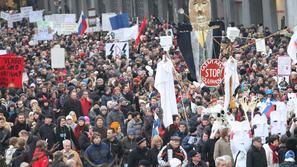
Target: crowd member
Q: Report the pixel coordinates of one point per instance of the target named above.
(110, 88)
(140, 153)
(114, 145)
(256, 156)
(46, 131)
(128, 145)
(156, 147)
(222, 146)
(271, 151)
(70, 154)
(195, 159)
(289, 159)
(40, 157)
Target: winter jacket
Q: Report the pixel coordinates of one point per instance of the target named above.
(4, 137)
(72, 105)
(178, 153)
(8, 154)
(128, 146)
(115, 116)
(84, 141)
(137, 155)
(189, 142)
(72, 155)
(281, 152)
(200, 164)
(62, 133)
(19, 156)
(31, 143)
(154, 156)
(102, 131)
(269, 158)
(46, 132)
(222, 147)
(86, 106)
(135, 126)
(18, 127)
(256, 157)
(115, 147)
(97, 155)
(40, 159)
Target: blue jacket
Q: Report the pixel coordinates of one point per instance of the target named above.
(97, 154)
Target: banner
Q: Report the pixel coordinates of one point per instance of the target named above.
(25, 11)
(117, 49)
(68, 28)
(16, 17)
(58, 57)
(11, 71)
(62, 21)
(35, 16)
(284, 66)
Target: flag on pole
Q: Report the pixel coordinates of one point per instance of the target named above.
(119, 21)
(82, 24)
(156, 126)
(292, 48)
(231, 80)
(143, 23)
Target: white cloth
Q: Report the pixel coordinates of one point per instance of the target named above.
(125, 34)
(261, 129)
(230, 72)
(240, 141)
(164, 83)
(292, 48)
(292, 103)
(278, 119)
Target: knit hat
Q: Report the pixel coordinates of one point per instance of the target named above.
(174, 162)
(193, 153)
(115, 125)
(139, 140)
(290, 156)
(81, 118)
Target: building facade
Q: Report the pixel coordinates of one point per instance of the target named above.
(272, 13)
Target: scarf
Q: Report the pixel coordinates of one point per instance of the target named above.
(274, 154)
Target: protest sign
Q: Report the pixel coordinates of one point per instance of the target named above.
(35, 16)
(284, 66)
(283, 82)
(44, 30)
(232, 33)
(106, 26)
(25, 11)
(212, 72)
(166, 42)
(5, 16)
(3, 52)
(16, 17)
(62, 22)
(10, 24)
(11, 71)
(58, 57)
(117, 49)
(260, 45)
(68, 28)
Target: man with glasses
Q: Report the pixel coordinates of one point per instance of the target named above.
(256, 155)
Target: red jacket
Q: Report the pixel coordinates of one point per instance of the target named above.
(40, 158)
(86, 106)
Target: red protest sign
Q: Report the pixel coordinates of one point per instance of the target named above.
(212, 72)
(11, 71)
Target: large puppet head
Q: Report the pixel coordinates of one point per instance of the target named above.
(200, 14)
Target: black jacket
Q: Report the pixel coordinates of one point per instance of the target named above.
(72, 105)
(62, 133)
(4, 137)
(115, 147)
(200, 164)
(18, 127)
(288, 164)
(154, 155)
(84, 141)
(256, 157)
(137, 155)
(31, 143)
(20, 155)
(46, 132)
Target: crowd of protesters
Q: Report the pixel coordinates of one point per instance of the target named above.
(99, 110)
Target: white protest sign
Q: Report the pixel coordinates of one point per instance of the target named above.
(16, 17)
(260, 45)
(10, 24)
(58, 57)
(166, 42)
(68, 28)
(106, 22)
(284, 66)
(232, 33)
(69, 18)
(44, 30)
(35, 16)
(60, 20)
(25, 77)
(169, 32)
(25, 11)
(5, 16)
(283, 82)
(3, 52)
(117, 49)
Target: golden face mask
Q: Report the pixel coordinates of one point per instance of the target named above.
(200, 14)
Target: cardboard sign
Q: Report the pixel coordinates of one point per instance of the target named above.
(58, 57)
(284, 66)
(35, 16)
(232, 33)
(11, 71)
(117, 49)
(16, 17)
(212, 72)
(166, 42)
(106, 26)
(25, 11)
(260, 45)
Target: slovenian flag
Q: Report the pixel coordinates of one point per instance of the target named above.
(270, 107)
(156, 125)
(82, 24)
